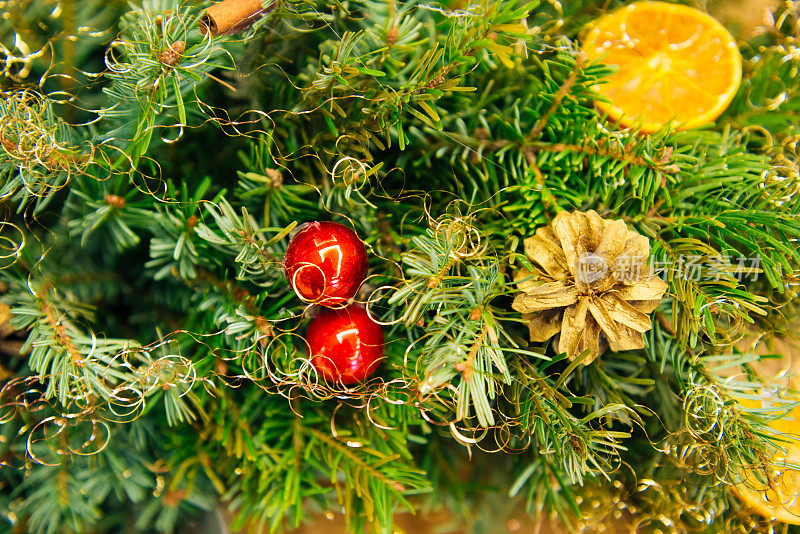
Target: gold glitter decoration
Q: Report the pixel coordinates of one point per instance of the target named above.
(592, 286)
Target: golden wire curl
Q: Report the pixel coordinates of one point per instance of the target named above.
(34, 141)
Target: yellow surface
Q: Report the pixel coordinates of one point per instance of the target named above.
(675, 64)
(781, 500)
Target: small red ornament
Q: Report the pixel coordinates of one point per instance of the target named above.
(345, 345)
(325, 263)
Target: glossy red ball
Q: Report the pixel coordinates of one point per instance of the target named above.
(325, 263)
(345, 345)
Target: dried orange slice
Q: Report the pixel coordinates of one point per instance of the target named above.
(676, 64)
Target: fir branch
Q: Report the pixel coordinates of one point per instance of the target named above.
(75, 366)
(714, 434)
(243, 238)
(452, 273)
(38, 154)
(147, 91)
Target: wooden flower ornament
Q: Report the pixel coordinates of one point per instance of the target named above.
(592, 285)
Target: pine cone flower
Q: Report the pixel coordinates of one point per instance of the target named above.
(592, 285)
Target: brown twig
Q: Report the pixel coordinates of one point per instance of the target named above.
(559, 96)
(62, 337)
(466, 367)
(241, 295)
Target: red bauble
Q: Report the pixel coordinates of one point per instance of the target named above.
(325, 263)
(345, 345)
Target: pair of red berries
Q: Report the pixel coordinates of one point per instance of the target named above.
(325, 264)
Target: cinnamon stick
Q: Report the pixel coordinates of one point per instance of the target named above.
(231, 16)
